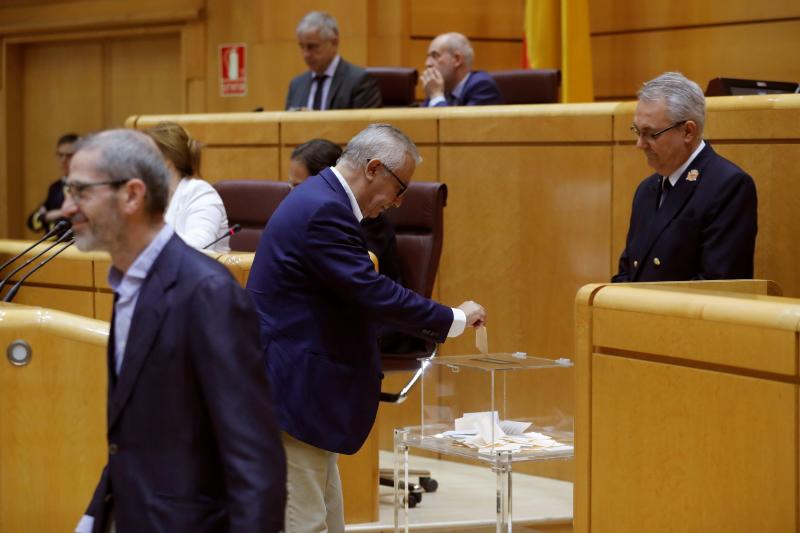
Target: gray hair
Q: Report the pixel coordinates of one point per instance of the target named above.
(127, 154)
(321, 22)
(683, 97)
(457, 43)
(380, 141)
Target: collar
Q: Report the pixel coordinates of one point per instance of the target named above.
(141, 265)
(675, 176)
(458, 89)
(350, 195)
(331, 67)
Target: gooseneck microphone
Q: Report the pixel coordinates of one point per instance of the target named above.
(61, 239)
(60, 226)
(236, 228)
(17, 285)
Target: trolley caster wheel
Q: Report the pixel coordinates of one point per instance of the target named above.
(429, 484)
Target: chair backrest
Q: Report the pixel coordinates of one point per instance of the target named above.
(397, 84)
(250, 203)
(419, 226)
(528, 86)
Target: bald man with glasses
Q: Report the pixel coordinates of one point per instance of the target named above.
(696, 217)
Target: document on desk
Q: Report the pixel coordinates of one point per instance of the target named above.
(482, 340)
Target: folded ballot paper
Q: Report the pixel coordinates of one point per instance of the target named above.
(485, 432)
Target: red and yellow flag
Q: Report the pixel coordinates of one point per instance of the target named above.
(557, 36)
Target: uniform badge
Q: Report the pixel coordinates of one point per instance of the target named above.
(693, 175)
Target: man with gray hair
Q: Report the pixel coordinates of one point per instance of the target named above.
(192, 439)
(331, 82)
(448, 78)
(696, 217)
(321, 303)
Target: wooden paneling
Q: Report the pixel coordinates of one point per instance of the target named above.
(52, 420)
(239, 163)
(501, 19)
(92, 14)
(144, 77)
(625, 15)
(721, 449)
(760, 51)
(56, 77)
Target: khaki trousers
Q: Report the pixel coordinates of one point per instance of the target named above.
(314, 489)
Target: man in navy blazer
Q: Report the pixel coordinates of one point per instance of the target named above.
(192, 441)
(448, 79)
(331, 82)
(696, 217)
(321, 303)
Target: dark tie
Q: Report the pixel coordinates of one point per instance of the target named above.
(319, 80)
(666, 186)
(450, 99)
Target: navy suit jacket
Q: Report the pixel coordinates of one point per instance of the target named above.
(193, 442)
(352, 87)
(320, 302)
(705, 229)
(480, 89)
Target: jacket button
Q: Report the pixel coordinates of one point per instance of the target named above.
(656, 261)
(112, 449)
(635, 264)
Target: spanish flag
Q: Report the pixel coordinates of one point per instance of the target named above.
(557, 36)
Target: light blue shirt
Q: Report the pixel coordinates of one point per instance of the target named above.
(126, 290)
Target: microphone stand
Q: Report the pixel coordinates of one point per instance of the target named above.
(233, 230)
(62, 224)
(64, 237)
(15, 288)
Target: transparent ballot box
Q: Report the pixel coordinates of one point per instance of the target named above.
(495, 409)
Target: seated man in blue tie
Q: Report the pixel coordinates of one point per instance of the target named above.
(449, 79)
(696, 217)
(331, 82)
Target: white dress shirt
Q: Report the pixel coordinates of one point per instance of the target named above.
(198, 215)
(326, 85)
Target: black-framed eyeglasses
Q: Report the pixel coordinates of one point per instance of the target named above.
(654, 136)
(403, 186)
(77, 189)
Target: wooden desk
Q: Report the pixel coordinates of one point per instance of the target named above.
(686, 409)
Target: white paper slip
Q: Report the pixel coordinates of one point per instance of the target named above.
(512, 427)
(482, 340)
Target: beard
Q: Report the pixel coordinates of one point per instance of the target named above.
(101, 232)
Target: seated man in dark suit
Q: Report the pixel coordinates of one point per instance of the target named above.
(331, 82)
(48, 214)
(448, 78)
(696, 217)
(192, 438)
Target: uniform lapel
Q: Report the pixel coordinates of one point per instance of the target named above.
(659, 219)
(151, 307)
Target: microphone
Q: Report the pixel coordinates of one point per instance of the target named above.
(64, 237)
(17, 285)
(236, 228)
(62, 225)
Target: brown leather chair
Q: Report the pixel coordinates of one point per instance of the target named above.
(397, 84)
(419, 226)
(528, 86)
(250, 203)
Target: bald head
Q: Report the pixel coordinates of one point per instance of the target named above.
(452, 55)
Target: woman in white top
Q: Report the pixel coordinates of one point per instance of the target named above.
(195, 208)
